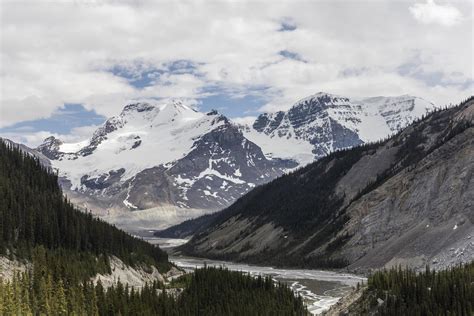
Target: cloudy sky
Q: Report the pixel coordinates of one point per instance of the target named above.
(67, 65)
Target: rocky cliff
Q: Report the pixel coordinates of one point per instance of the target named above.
(407, 200)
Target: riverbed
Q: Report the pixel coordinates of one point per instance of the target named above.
(319, 289)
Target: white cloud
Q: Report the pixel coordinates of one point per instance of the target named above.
(432, 13)
(33, 139)
(244, 120)
(61, 52)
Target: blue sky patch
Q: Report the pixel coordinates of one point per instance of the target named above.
(234, 106)
(61, 122)
(140, 75)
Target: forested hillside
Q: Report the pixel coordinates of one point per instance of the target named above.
(33, 212)
(65, 248)
(405, 292)
(208, 291)
(372, 205)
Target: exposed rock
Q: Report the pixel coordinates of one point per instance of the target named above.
(8, 268)
(134, 277)
(405, 201)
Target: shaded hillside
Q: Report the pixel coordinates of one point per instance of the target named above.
(64, 248)
(173, 160)
(406, 200)
(33, 212)
(187, 228)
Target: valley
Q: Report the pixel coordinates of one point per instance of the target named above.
(236, 158)
(280, 235)
(372, 206)
(319, 289)
(205, 160)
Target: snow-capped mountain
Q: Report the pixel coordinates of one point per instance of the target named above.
(322, 123)
(172, 156)
(158, 156)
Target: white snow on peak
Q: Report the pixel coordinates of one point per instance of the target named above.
(335, 99)
(73, 147)
(146, 136)
(281, 147)
(371, 119)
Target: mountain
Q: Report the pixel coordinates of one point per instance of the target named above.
(35, 216)
(159, 156)
(322, 123)
(177, 163)
(407, 200)
(57, 260)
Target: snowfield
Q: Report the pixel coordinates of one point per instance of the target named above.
(141, 141)
(155, 156)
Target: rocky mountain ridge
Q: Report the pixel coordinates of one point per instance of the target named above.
(322, 123)
(407, 201)
(172, 157)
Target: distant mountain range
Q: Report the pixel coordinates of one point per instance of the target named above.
(176, 162)
(407, 201)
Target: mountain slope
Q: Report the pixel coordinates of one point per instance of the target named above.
(34, 213)
(68, 260)
(172, 162)
(162, 156)
(322, 123)
(407, 200)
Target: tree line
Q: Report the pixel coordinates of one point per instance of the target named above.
(65, 247)
(33, 212)
(208, 291)
(405, 292)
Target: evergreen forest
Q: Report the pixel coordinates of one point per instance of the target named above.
(63, 248)
(406, 292)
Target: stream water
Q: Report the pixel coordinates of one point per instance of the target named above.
(319, 289)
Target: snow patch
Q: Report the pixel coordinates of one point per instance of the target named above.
(237, 173)
(211, 171)
(73, 147)
(126, 202)
(167, 133)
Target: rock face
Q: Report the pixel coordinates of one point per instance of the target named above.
(408, 200)
(322, 123)
(172, 157)
(50, 148)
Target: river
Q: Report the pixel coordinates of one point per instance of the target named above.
(319, 289)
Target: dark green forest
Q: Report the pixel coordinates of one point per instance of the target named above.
(208, 291)
(33, 211)
(405, 292)
(66, 247)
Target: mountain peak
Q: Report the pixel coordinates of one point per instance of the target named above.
(138, 107)
(212, 112)
(177, 105)
(51, 142)
(321, 99)
(50, 147)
